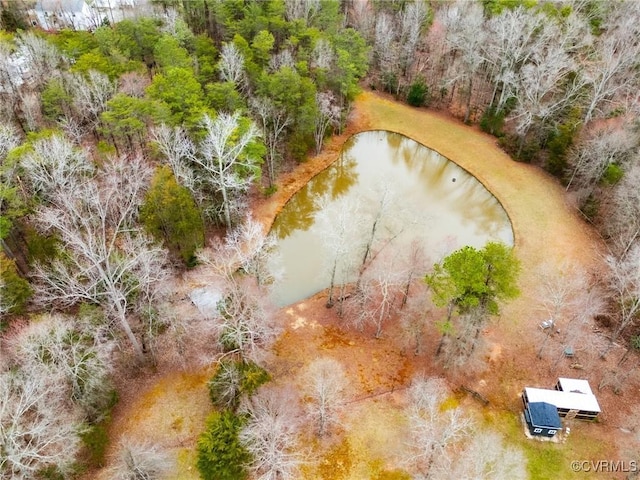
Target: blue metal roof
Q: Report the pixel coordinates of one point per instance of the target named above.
(544, 414)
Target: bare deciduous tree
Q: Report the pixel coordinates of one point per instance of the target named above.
(513, 37)
(55, 165)
(433, 428)
(326, 384)
(253, 249)
(611, 71)
(624, 287)
(386, 202)
(9, 139)
(341, 229)
(229, 168)
(90, 95)
(270, 434)
(621, 220)
(302, 10)
(323, 55)
(54, 346)
(545, 88)
(329, 114)
(38, 427)
(486, 456)
(133, 84)
(178, 149)
(560, 293)
(247, 326)
(415, 318)
(412, 19)
(385, 46)
(247, 247)
(377, 298)
(140, 461)
(281, 59)
(42, 58)
(231, 65)
(273, 120)
(362, 15)
(106, 259)
(466, 34)
(5, 305)
(31, 112)
(598, 148)
(10, 80)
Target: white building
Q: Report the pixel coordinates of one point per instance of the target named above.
(84, 14)
(572, 397)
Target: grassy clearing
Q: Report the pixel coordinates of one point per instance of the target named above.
(186, 464)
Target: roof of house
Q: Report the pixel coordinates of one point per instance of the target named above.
(544, 414)
(55, 6)
(562, 399)
(574, 385)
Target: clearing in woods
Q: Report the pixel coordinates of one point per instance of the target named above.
(169, 408)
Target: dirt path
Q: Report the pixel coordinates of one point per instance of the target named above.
(545, 227)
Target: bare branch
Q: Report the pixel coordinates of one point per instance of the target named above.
(326, 384)
(270, 433)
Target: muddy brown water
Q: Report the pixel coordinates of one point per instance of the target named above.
(425, 205)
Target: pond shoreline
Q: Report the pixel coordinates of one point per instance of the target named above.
(423, 206)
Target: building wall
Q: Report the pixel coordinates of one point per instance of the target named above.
(83, 14)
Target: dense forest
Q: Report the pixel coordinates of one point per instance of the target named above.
(126, 150)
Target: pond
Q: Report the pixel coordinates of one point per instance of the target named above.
(387, 200)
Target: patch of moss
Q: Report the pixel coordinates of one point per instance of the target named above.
(378, 472)
(336, 464)
(450, 403)
(186, 464)
(95, 440)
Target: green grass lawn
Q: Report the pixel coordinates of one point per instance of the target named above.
(549, 460)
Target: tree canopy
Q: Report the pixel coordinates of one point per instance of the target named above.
(470, 278)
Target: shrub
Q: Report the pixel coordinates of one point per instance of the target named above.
(40, 248)
(56, 101)
(221, 456)
(590, 207)
(233, 379)
(390, 83)
(95, 440)
(51, 472)
(169, 213)
(612, 174)
(418, 94)
(15, 289)
(492, 121)
(560, 140)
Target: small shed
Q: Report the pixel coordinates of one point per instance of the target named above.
(542, 419)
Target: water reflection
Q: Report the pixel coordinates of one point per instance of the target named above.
(429, 201)
(299, 213)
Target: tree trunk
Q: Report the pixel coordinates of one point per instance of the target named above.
(418, 348)
(124, 323)
(333, 279)
(227, 210)
(544, 342)
(468, 112)
(440, 345)
(405, 294)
